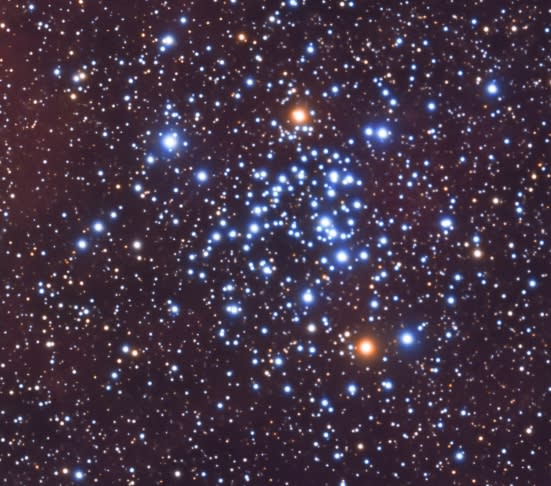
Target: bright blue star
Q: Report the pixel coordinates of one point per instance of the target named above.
(167, 40)
(342, 256)
(170, 141)
(383, 133)
(446, 223)
(387, 385)
(325, 221)
(78, 474)
(98, 227)
(492, 88)
(407, 338)
(202, 176)
(308, 297)
(233, 309)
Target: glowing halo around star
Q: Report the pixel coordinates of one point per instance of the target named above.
(170, 141)
(366, 348)
(299, 116)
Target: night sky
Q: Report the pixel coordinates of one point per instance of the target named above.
(275, 243)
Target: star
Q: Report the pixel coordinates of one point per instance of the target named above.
(299, 116)
(366, 348)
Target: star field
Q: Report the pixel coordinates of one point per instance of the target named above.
(291, 242)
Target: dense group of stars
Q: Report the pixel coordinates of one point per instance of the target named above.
(275, 243)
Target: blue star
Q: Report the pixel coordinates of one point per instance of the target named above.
(492, 88)
(78, 474)
(383, 133)
(170, 141)
(407, 338)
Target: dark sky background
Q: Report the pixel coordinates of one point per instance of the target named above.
(275, 243)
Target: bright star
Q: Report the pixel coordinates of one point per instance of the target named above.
(383, 133)
(299, 116)
(492, 89)
(446, 223)
(387, 385)
(167, 40)
(98, 227)
(365, 347)
(78, 474)
(342, 256)
(170, 141)
(407, 338)
(308, 297)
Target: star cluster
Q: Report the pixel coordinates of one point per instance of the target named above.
(275, 242)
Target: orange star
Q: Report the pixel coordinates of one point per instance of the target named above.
(366, 348)
(299, 116)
